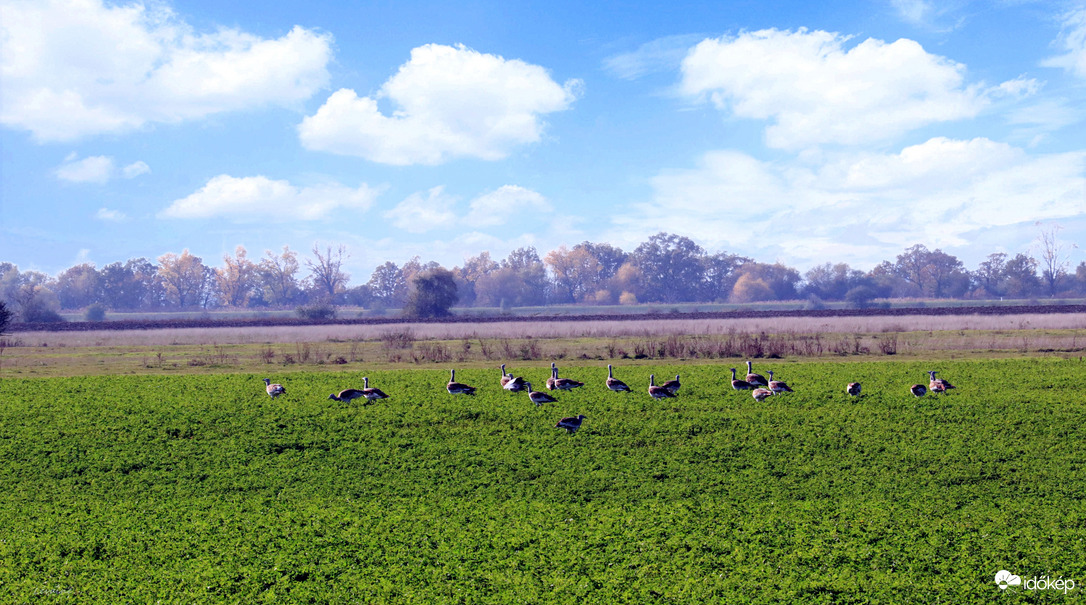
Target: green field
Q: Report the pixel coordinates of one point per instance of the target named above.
(201, 489)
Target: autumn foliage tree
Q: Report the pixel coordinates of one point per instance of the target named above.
(185, 278)
(236, 279)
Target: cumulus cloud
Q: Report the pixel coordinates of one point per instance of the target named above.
(450, 102)
(262, 199)
(98, 68)
(435, 209)
(1073, 43)
(496, 207)
(814, 90)
(858, 206)
(420, 212)
(135, 169)
(96, 169)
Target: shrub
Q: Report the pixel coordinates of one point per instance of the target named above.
(317, 311)
(95, 312)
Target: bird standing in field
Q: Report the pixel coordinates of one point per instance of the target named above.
(761, 393)
(938, 385)
(918, 390)
(853, 389)
(673, 385)
(615, 384)
(755, 379)
(347, 395)
(740, 385)
(371, 393)
(273, 389)
(778, 386)
(658, 392)
(564, 384)
(553, 378)
(570, 424)
(458, 388)
(539, 397)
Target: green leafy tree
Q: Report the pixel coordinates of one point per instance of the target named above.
(433, 293)
(78, 286)
(387, 285)
(671, 267)
(5, 318)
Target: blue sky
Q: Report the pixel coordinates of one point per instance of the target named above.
(796, 132)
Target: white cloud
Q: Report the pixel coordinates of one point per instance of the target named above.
(450, 102)
(496, 207)
(261, 199)
(815, 91)
(1073, 43)
(858, 206)
(662, 54)
(98, 68)
(135, 169)
(96, 169)
(419, 213)
(435, 209)
(113, 216)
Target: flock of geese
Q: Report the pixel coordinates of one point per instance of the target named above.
(760, 388)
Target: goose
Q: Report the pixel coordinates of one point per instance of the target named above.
(570, 424)
(274, 389)
(371, 393)
(853, 389)
(918, 389)
(740, 385)
(347, 395)
(539, 397)
(554, 377)
(658, 392)
(755, 379)
(778, 386)
(673, 385)
(613, 383)
(761, 393)
(505, 377)
(939, 385)
(565, 384)
(458, 388)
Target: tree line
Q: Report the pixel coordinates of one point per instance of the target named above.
(666, 268)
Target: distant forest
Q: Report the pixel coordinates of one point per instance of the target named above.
(666, 268)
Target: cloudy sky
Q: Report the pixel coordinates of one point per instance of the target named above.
(799, 132)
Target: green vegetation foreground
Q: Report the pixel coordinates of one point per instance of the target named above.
(193, 489)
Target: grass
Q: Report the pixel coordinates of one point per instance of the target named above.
(200, 488)
(329, 348)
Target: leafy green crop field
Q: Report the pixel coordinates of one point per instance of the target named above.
(201, 489)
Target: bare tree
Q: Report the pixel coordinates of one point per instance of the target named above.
(1054, 262)
(326, 272)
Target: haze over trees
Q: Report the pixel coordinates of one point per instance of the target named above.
(665, 269)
